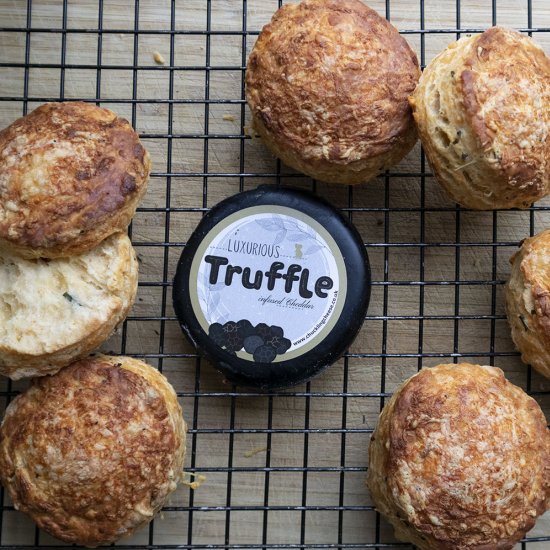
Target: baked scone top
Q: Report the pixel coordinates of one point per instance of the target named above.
(534, 263)
(330, 80)
(528, 301)
(92, 452)
(70, 175)
(506, 94)
(468, 457)
(482, 108)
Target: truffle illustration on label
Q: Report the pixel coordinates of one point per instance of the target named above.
(262, 342)
(272, 286)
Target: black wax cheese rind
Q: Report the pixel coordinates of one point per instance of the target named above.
(273, 286)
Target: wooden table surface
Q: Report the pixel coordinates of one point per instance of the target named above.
(287, 469)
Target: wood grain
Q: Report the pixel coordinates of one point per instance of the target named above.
(414, 247)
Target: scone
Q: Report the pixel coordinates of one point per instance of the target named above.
(327, 83)
(528, 301)
(460, 459)
(482, 108)
(71, 174)
(55, 311)
(92, 453)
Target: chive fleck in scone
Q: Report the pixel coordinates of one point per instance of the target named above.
(482, 108)
(71, 174)
(328, 84)
(528, 301)
(55, 311)
(460, 459)
(92, 453)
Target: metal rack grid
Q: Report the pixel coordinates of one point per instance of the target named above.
(435, 280)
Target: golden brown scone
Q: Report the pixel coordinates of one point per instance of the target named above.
(55, 311)
(92, 453)
(327, 83)
(482, 110)
(71, 174)
(528, 301)
(460, 460)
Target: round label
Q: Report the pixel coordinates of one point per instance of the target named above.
(268, 283)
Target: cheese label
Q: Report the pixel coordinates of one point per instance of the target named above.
(268, 283)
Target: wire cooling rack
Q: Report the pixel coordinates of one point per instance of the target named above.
(284, 470)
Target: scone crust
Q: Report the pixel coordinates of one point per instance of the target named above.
(460, 459)
(92, 453)
(482, 110)
(87, 296)
(327, 83)
(71, 174)
(528, 301)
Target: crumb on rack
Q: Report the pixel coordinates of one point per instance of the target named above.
(230, 118)
(255, 451)
(200, 479)
(158, 58)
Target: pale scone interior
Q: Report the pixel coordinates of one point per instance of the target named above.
(53, 311)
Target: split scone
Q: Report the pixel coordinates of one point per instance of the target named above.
(55, 311)
(460, 459)
(71, 174)
(528, 301)
(328, 84)
(482, 108)
(92, 453)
